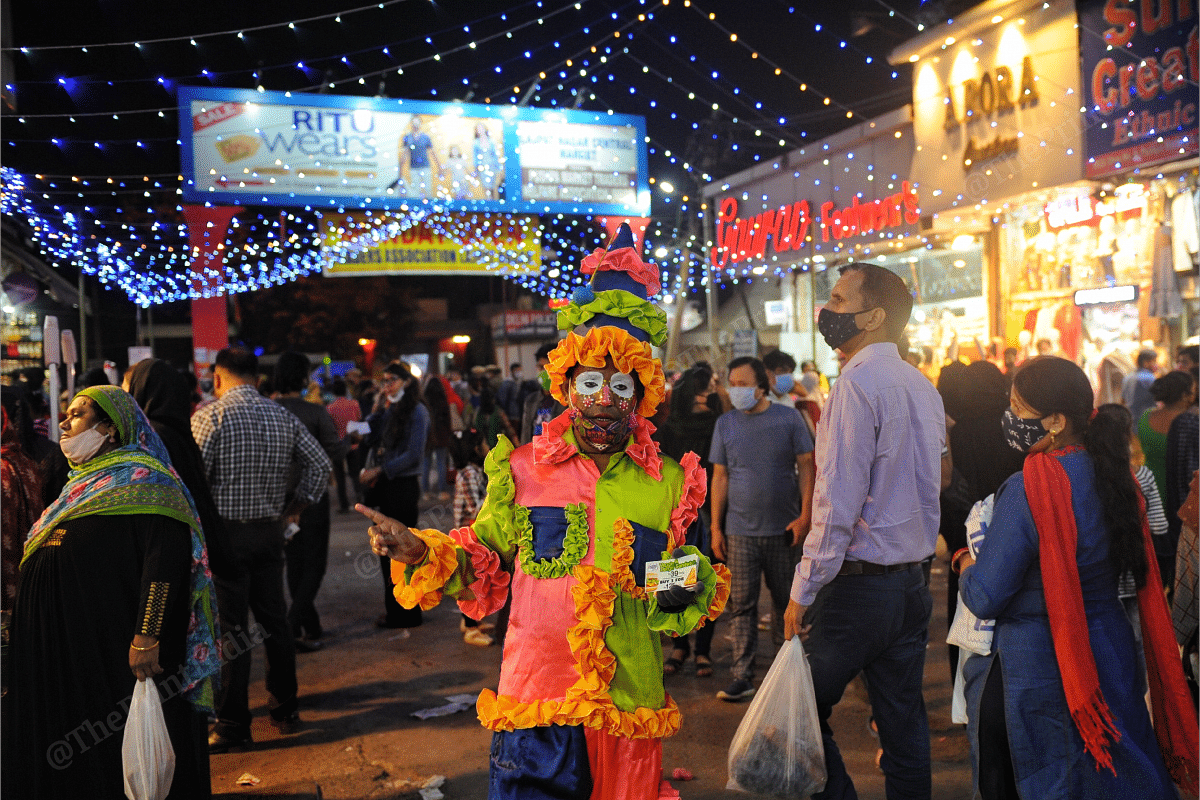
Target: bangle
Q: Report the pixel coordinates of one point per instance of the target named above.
(142, 649)
(954, 559)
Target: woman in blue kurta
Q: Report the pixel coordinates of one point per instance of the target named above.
(1032, 734)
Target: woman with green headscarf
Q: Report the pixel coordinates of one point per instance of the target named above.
(114, 588)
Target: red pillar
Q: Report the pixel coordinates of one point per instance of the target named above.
(207, 227)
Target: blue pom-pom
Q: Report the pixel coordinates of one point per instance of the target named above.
(583, 295)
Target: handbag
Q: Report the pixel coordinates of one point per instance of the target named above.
(147, 758)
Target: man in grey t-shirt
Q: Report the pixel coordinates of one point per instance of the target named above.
(762, 456)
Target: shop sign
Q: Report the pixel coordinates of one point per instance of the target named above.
(996, 108)
(525, 325)
(787, 227)
(329, 151)
(497, 244)
(1139, 63)
(993, 92)
(776, 312)
(1106, 295)
(1084, 209)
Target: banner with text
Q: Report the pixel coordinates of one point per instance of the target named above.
(497, 244)
(327, 151)
(1139, 72)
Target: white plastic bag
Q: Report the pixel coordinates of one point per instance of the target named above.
(967, 630)
(147, 758)
(958, 701)
(970, 632)
(777, 750)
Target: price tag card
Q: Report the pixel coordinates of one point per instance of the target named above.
(672, 572)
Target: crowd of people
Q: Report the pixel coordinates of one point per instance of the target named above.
(187, 513)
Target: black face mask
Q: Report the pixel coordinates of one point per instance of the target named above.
(836, 327)
(1022, 434)
(713, 401)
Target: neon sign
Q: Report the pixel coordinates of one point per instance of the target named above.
(787, 227)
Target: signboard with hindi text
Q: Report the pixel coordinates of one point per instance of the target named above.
(246, 147)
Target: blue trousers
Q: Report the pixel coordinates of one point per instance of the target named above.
(877, 625)
(549, 763)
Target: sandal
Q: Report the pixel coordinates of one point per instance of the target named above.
(704, 667)
(675, 663)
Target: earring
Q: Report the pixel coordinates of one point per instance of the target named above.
(1053, 436)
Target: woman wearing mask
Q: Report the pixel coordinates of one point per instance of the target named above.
(391, 480)
(114, 589)
(1055, 709)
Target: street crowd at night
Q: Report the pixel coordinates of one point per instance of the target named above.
(615, 400)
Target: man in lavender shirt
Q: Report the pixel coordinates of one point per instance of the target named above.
(859, 598)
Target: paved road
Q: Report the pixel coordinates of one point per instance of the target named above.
(357, 694)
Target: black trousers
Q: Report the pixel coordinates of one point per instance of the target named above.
(257, 548)
(398, 499)
(307, 557)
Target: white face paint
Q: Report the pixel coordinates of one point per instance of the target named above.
(590, 382)
(591, 388)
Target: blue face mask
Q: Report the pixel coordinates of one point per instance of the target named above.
(743, 397)
(784, 384)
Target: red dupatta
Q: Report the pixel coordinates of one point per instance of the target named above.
(1048, 490)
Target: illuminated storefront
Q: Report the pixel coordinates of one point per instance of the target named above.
(1005, 129)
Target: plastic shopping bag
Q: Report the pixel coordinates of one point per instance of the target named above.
(147, 758)
(967, 630)
(777, 750)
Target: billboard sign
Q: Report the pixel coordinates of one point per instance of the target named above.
(497, 244)
(1139, 72)
(246, 147)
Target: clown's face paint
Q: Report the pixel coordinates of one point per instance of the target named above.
(602, 408)
(591, 387)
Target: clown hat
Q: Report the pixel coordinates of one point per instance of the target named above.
(612, 317)
(619, 292)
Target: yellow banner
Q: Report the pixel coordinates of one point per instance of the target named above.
(491, 243)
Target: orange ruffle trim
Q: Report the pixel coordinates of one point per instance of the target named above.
(695, 487)
(490, 586)
(424, 588)
(506, 714)
(720, 598)
(622, 560)
(628, 355)
(585, 702)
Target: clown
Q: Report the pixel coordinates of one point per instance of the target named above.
(569, 523)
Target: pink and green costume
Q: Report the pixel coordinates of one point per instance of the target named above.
(580, 710)
(570, 544)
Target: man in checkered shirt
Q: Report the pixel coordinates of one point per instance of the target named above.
(250, 445)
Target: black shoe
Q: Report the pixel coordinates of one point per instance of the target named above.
(223, 743)
(740, 689)
(382, 622)
(289, 724)
(307, 646)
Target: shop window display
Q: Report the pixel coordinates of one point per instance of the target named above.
(1094, 236)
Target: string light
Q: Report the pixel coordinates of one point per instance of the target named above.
(191, 39)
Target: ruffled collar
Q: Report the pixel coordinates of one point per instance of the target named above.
(552, 445)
